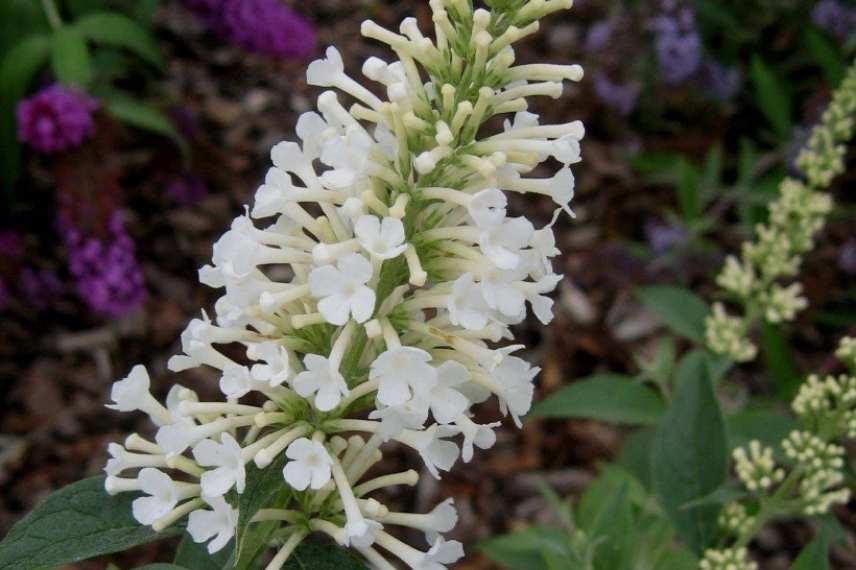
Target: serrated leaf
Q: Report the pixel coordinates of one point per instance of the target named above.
(77, 522)
(680, 309)
(772, 97)
(690, 453)
(604, 397)
(317, 555)
(70, 58)
(117, 30)
(195, 556)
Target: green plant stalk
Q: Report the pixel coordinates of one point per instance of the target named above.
(52, 14)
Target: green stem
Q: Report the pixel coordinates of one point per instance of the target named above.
(52, 14)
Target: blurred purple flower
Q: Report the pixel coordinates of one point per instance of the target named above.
(677, 43)
(186, 189)
(621, 97)
(717, 82)
(847, 257)
(663, 237)
(40, 287)
(11, 244)
(262, 26)
(835, 18)
(598, 36)
(55, 119)
(108, 277)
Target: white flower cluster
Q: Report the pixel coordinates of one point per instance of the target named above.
(366, 291)
(727, 559)
(756, 467)
(846, 352)
(828, 401)
(735, 519)
(822, 466)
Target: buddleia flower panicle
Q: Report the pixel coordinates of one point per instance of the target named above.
(753, 280)
(368, 294)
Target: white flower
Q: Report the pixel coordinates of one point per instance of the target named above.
(132, 393)
(162, 496)
(488, 208)
(276, 368)
(437, 453)
(411, 414)
(321, 379)
(383, 239)
(502, 244)
(342, 290)
(226, 457)
(237, 381)
(219, 523)
(402, 372)
(466, 304)
(441, 553)
(447, 403)
(324, 72)
(309, 465)
(500, 292)
(515, 376)
(348, 155)
(478, 435)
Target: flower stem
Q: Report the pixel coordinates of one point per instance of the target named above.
(52, 14)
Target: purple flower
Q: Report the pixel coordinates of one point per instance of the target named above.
(717, 82)
(40, 286)
(678, 45)
(186, 189)
(621, 97)
(55, 119)
(11, 245)
(847, 257)
(664, 237)
(598, 36)
(835, 18)
(261, 26)
(108, 277)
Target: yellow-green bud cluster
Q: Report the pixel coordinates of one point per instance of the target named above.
(796, 217)
(828, 401)
(735, 519)
(756, 468)
(823, 158)
(846, 352)
(727, 559)
(821, 464)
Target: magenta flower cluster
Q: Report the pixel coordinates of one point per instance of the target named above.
(55, 119)
(262, 26)
(105, 270)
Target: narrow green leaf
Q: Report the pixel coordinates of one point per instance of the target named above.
(70, 58)
(690, 453)
(688, 191)
(75, 523)
(597, 498)
(17, 69)
(141, 116)
(779, 361)
(605, 397)
(117, 30)
(317, 555)
(524, 549)
(680, 309)
(194, 556)
(815, 555)
(265, 488)
(827, 56)
(613, 532)
(772, 97)
(724, 494)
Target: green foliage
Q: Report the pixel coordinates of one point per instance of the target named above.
(605, 397)
(826, 55)
(193, 556)
(779, 361)
(265, 488)
(117, 30)
(141, 116)
(317, 555)
(77, 522)
(526, 549)
(765, 425)
(680, 309)
(773, 98)
(690, 453)
(71, 60)
(815, 555)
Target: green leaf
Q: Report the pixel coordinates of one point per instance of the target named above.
(17, 69)
(142, 116)
(635, 456)
(827, 56)
(265, 488)
(75, 523)
(613, 531)
(598, 496)
(524, 550)
(688, 191)
(317, 555)
(70, 58)
(680, 309)
(779, 361)
(690, 453)
(769, 427)
(605, 397)
(164, 566)
(195, 556)
(117, 30)
(815, 556)
(772, 97)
